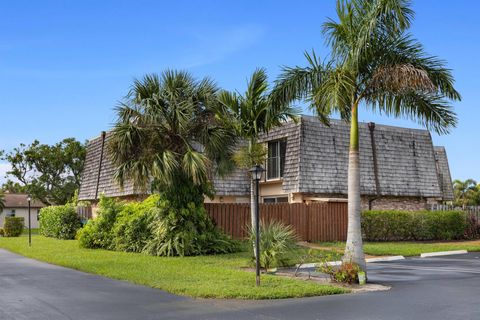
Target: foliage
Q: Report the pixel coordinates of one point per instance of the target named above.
(132, 229)
(185, 232)
(214, 276)
(61, 222)
(98, 233)
(472, 230)
(2, 233)
(13, 187)
(276, 239)
(467, 193)
(49, 173)
(345, 273)
(252, 114)
(413, 225)
(13, 226)
(166, 128)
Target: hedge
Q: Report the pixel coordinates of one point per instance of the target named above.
(13, 226)
(413, 225)
(61, 222)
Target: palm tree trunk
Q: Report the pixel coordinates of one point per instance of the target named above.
(354, 247)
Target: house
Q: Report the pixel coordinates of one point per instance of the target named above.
(308, 162)
(16, 205)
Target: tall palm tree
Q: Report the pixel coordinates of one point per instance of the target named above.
(166, 135)
(374, 64)
(249, 115)
(465, 191)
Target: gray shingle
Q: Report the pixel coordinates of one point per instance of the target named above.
(444, 173)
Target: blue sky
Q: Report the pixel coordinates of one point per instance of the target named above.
(64, 65)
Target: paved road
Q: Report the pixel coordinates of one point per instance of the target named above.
(433, 288)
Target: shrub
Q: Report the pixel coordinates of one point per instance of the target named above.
(276, 239)
(2, 233)
(472, 231)
(132, 230)
(98, 233)
(61, 222)
(411, 225)
(13, 226)
(185, 232)
(346, 273)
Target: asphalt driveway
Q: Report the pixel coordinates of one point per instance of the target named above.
(422, 288)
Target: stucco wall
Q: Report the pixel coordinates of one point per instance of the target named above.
(21, 212)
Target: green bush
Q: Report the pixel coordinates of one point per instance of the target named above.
(98, 233)
(2, 233)
(413, 225)
(61, 222)
(276, 239)
(13, 226)
(132, 230)
(186, 232)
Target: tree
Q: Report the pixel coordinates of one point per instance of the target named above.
(249, 115)
(49, 173)
(166, 136)
(377, 65)
(466, 192)
(2, 201)
(13, 187)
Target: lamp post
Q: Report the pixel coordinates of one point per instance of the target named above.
(256, 172)
(29, 199)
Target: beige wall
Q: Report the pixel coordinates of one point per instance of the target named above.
(21, 212)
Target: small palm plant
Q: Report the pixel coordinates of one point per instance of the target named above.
(276, 239)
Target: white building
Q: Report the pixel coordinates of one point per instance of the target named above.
(16, 205)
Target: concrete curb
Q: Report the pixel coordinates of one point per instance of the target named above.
(442, 253)
(385, 259)
(338, 263)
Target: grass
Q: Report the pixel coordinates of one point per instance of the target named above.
(408, 248)
(216, 276)
(34, 231)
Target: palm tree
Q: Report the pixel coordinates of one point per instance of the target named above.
(249, 115)
(374, 64)
(465, 191)
(2, 200)
(166, 136)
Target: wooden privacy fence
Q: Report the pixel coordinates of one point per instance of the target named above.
(85, 213)
(326, 221)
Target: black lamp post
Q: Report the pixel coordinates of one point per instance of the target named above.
(29, 223)
(256, 172)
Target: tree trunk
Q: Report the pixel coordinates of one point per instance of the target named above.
(354, 247)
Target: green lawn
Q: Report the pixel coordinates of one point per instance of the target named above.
(34, 231)
(409, 248)
(206, 276)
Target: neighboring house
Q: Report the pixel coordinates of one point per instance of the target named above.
(308, 162)
(16, 205)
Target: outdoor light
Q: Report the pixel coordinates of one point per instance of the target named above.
(256, 172)
(29, 199)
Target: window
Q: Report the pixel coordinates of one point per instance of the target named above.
(276, 159)
(11, 214)
(281, 199)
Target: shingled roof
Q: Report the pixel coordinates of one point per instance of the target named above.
(97, 176)
(394, 162)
